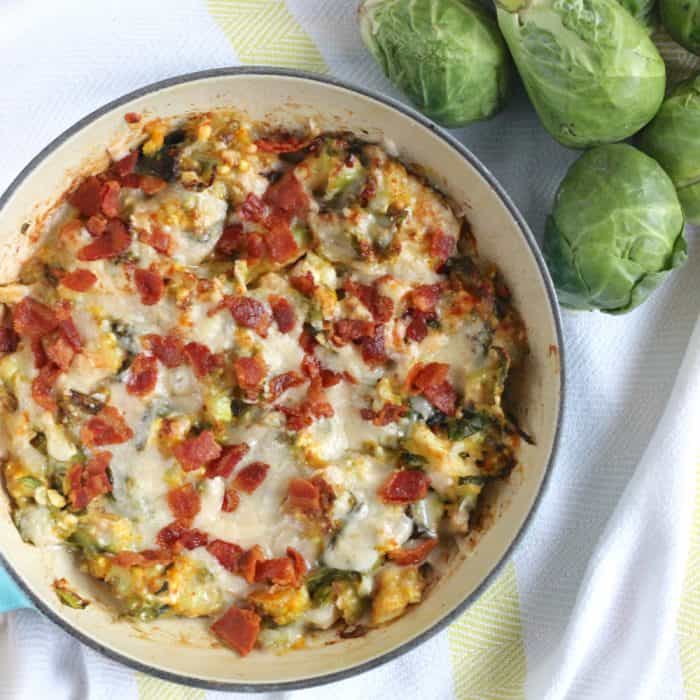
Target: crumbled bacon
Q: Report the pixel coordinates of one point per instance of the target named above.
(373, 348)
(431, 381)
(150, 286)
(278, 571)
(388, 413)
(184, 502)
(115, 240)
(248, 312)
(249, 561)
(285, 143)
(8, 339)
(279, 239)
(42, 387)
(68, 329)
(255, 247)
(250, 477)
(404, 486)
(304, 495)
(108, 427)
(443, 397)
(417, 329)
(177, 535)
(411, 556)
(250, 374)
(303, 283)
(307, 339)
(330, 378)
(348, 330)
(109, 198)
(379, 306)
(314, 406)
(86, 198)
(132, 117)
(96, 225)
(79, 280)
(143, 375)
(196, 452)
(279, 384)
(310, 366)
(287, 196)
(238, 628)
(231, 500)
(158, 239)
(58, 350)
(442, 247)
(327, 494)
(168, 349)
(125, 166)
(231, 455)
(201, 358)
(226, 553)
(33, 319)
(147, 557)
(425, 297)
(37, 348)
(298, 561)
(252, 209)
(88, 481)
(149, 184)
(283, 313)
(232, 240)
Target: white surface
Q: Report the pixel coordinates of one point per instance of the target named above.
(599, 572)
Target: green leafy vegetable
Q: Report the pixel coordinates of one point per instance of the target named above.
(446, 55)
(591, 71)
(681, 18)
(615, 232)
(69, 597)
(673, 138)
(319, 582)
(470, 422)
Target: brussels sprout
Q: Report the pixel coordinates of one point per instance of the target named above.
(591, 71)
(673, 138)
(644, 11)
(446, 55)
(615, 232)
(681, 18)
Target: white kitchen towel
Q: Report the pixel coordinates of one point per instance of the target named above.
(602, 597)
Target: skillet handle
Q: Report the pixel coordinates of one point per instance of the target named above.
(11, 596)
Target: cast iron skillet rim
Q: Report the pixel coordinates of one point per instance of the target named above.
(553, 307)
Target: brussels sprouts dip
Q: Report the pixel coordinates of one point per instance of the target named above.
(257, 378)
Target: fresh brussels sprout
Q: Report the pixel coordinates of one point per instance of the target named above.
(591, 71)
(644, 11)
(672, 138)
(615, 232)
(681, 18)
(446, 55)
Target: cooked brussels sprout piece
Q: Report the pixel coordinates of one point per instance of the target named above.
(615, 232)
(673, 138)
(681, 18)
(69, 597)
(591, 71)
(446, 55)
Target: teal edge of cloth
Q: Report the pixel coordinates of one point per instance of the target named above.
(11, 596)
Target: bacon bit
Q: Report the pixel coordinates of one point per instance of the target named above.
(248, 312)
(431, 381)
(304, 495)
(280, 241)
(279, 384)
(232, 240)
(389, 413)
(115, 240)
(326, 491)
(280, 571)
(226, 553)
(96, 225)
(8, 340)
(143, 375)
(79, 280)
(33, 319)
(283, 313)
(109, 199)
(307, 340)
(158, 239)
(69, 332)
(373, 349)
(57, 350)
(443, 397)
(149, 184)
(330, 378)
(37, 348)
(417, 329)
(287, 196)
(86, 199)
(231, 500)
(249, 478)
(168, 349)
(286, 143)
(249, 561)
(177, 536)
(231, 455)
(196, 452)
(425, 297)
(414, 555)
(304, 283)
(201, 358)
(132, 117)
(379, 306)
(125, 166)
(404, 486)
(310, 366)
(442, 247)
(252, 209)
(368, 192)
(351, 330)
(147, 557)
(298, 561)
(42, 387)
(108, 427)
(255, 247)
(184, 502)
(250, 374)
(149, 285)
(317, 401)
(89, 481)
(238, 628)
